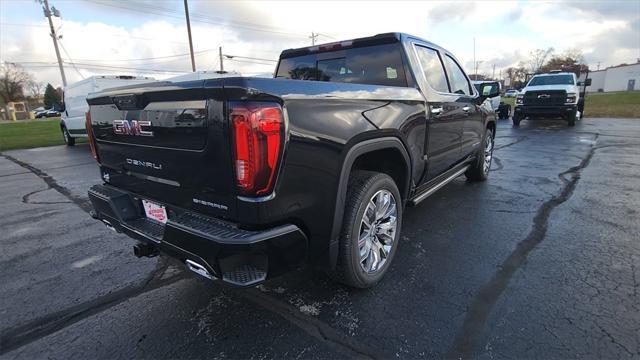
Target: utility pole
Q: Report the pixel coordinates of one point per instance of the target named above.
(493, 76)
(54, 36)
(598, 65)
(221, 62)
(186, 13)
(313, 38)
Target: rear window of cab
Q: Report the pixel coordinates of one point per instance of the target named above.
(373, 65)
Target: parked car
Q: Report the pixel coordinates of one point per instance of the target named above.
(555, 94)
(72, 124)
(47, 114)
(501, 110)
(316, 165)
(510, 93)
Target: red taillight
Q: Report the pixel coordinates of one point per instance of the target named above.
(257, 132)
(92, 140)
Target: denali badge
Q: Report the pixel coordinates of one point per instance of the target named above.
(133, 127)
(146, 164)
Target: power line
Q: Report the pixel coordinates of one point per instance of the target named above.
(153, 58)
(199, 18)
(93, 66)
(69, 56)
(251, 62)
(247, 57)
(102, 34)
(223, 21)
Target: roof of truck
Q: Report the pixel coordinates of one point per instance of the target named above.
(107, 77)
(385, 38)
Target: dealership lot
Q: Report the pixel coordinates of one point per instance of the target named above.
(543, 261)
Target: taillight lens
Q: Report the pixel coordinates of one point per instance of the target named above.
(258, 135)
(92, 139)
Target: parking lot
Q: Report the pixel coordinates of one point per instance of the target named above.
(541, 261)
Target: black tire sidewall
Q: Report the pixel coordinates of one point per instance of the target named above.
(68, 140)
(382, 182)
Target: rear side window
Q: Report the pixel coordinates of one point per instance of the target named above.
(374, 65)
(433, 68)
(457, 78)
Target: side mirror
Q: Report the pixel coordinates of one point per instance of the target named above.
(489, 90)
(587, 82)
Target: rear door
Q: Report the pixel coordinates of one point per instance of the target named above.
(444, 129)
(466, 105)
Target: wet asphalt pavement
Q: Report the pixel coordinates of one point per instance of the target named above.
(541, 261)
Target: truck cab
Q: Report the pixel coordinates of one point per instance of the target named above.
(554, 94)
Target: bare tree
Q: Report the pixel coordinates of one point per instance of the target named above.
(570, 60)
(36, 89)
(13, 80)
(517, 76)
(537, 58)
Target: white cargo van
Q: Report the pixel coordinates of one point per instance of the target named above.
(75, 95)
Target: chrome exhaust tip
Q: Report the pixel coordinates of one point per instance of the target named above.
(109, 226)
(199, 269)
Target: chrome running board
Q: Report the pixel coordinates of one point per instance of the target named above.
(438, 186)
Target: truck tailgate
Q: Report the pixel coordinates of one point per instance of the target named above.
(167, 142)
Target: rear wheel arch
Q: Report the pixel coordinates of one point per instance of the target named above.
(393, 160)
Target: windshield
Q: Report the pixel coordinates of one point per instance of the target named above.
(551, 80)
(375, 65)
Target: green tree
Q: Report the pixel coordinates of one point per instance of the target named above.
(51, 97)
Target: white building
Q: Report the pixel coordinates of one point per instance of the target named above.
(618, 78)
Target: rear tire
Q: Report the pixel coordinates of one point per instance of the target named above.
(516, 120)
(479, 170)
(68, 140)
(370, 229)
(572, 119)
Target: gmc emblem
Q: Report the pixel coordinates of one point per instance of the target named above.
(133, 127)
(544, 96)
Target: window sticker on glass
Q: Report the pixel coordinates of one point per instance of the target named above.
(486, 90)
(392, 73)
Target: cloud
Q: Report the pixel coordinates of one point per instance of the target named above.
(97, 36)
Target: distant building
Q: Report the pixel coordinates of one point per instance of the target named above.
(616, 78)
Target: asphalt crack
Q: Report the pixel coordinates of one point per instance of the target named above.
(517, 140)
(36, 329)
(315, 327)
(26, 199)
(468, 338)
(82, 203)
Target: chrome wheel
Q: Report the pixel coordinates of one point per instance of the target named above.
(65, 135)
(488, 154)
(377, 231)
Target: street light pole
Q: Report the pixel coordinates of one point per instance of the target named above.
(186, 12)
(54, 36)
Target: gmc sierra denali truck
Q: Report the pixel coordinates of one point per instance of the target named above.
(555, 94)
(245, 178)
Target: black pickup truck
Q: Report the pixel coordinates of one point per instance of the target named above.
(245, 178)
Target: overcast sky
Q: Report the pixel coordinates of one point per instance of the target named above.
(146, 37)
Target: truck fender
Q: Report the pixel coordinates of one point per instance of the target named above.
(354, 152)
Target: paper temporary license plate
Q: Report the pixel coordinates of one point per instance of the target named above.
(154, 211)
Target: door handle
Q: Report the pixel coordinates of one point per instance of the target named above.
(437, 110)
(466, 109)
